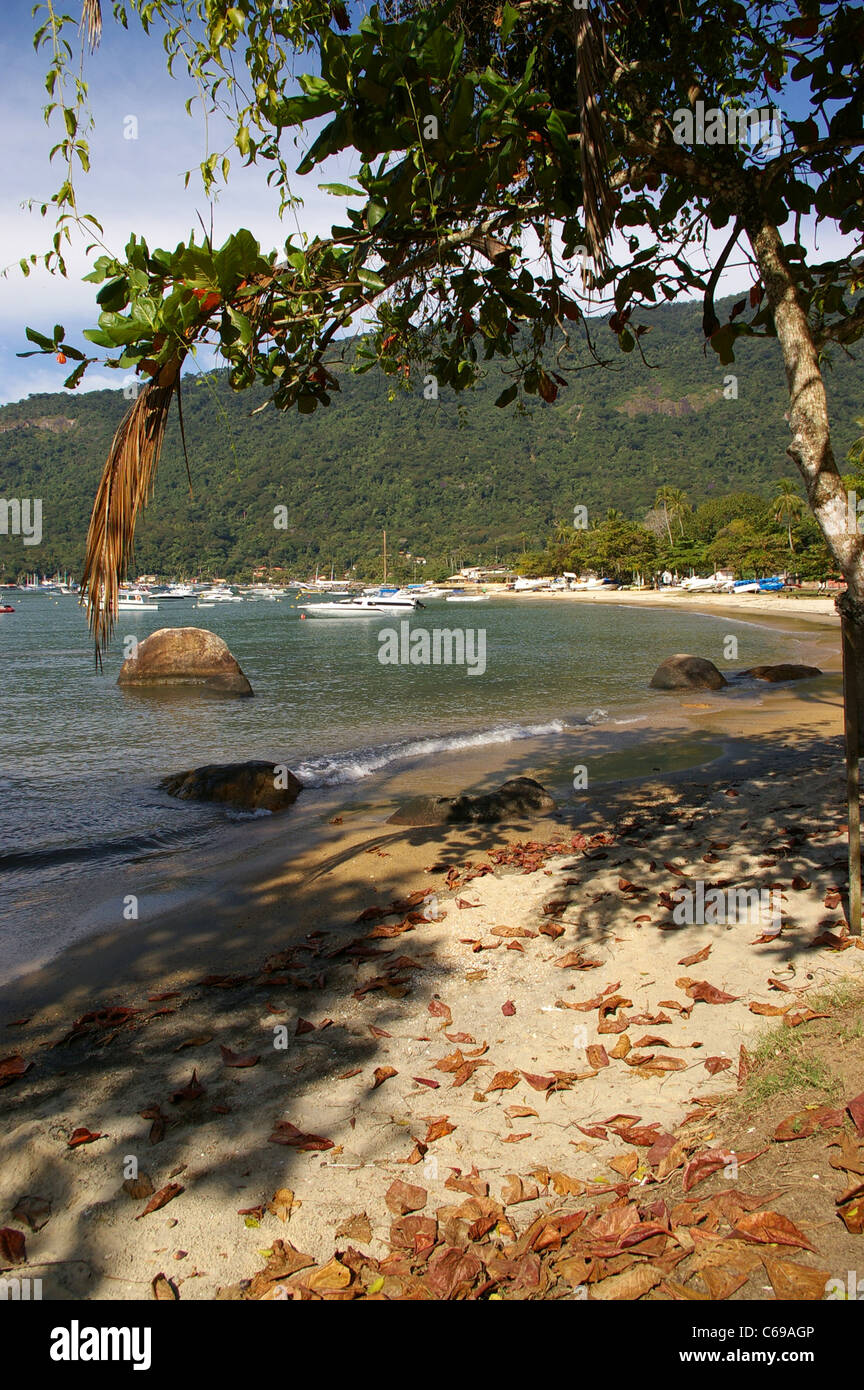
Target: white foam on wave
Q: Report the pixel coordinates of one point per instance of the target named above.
(353, 767)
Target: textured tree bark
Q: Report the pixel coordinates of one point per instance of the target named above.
(853, 674)
(810, 447)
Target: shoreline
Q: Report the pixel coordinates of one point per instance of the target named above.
(310, 984)
(365, 1012)
(655, 733)
(806, 608)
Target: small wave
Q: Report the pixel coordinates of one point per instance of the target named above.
(248, 815)
(353, 767)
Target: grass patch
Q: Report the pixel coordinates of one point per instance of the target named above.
(807, 1060)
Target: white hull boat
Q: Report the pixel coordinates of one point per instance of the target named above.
(363, 607)
(132, 603)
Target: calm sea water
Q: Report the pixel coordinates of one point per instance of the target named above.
(80, 807)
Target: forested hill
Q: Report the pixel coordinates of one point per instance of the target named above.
(452, 478)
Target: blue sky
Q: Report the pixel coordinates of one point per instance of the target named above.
(134, 185)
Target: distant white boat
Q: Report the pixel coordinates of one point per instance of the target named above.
(467, 598)
(221, 594)
(136, 601)
(365, 606)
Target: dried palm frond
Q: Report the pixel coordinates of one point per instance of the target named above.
(125, 487)
(91, 22)
(597, 201)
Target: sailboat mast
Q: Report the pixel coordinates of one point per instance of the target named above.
(385, 557)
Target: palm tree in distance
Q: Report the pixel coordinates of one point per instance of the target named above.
(787, 506)
(673, 503)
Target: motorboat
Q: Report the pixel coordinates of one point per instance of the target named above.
(136, 601)
(364, 606)
(467, 598)
(393, 600)
(220, 594)
(6, 608)
(699, 584)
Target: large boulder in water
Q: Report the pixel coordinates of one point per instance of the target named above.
(683, 672)
(184, 656)
(783, 673)
(252, 786)
(520, 798)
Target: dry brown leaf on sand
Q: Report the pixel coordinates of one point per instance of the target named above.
(696, 957)
(794, 1283)
(402, 1197)
(806, 1122)
(238, 1059)
(703, 992)
(514, 1189)
(161, 1198)
(283, 1203)
(356, 1228)
(770, 1228)
(382, 1074)
(639, 1279)
(294, 1138)
(163, 1290)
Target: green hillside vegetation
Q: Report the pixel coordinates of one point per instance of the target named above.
(453, 481)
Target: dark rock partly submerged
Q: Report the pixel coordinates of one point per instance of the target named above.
(520, 798)
(783, 672)
(252, 786)
(184, 656)
(683, 672)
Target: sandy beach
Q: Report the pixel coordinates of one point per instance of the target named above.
(401, 1005)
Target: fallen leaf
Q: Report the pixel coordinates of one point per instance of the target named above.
(503, 1081)
(769, 1228)
(356, 1228)
(237, 1059)
(283, 1203)
(382, 1074)
(403, 1197)
(794, 1283)
(852, 1216)
(856, 1112)
(288, 1134)
(13, 1247)
(139, 1188)
(82, 1136)
(438, 1128)
(696, 957)
(636, 1281)
(161, 1198)
(12, 1068)
(702, 991)
(715, 1064)
(806, 1122)
(596, 1054)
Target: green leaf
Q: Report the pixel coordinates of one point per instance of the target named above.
(39, 339)
(370, 280)
(341, 190)
(507, 396)
(375, 213)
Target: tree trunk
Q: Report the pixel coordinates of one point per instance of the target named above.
(810, 447)
(853, 686)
